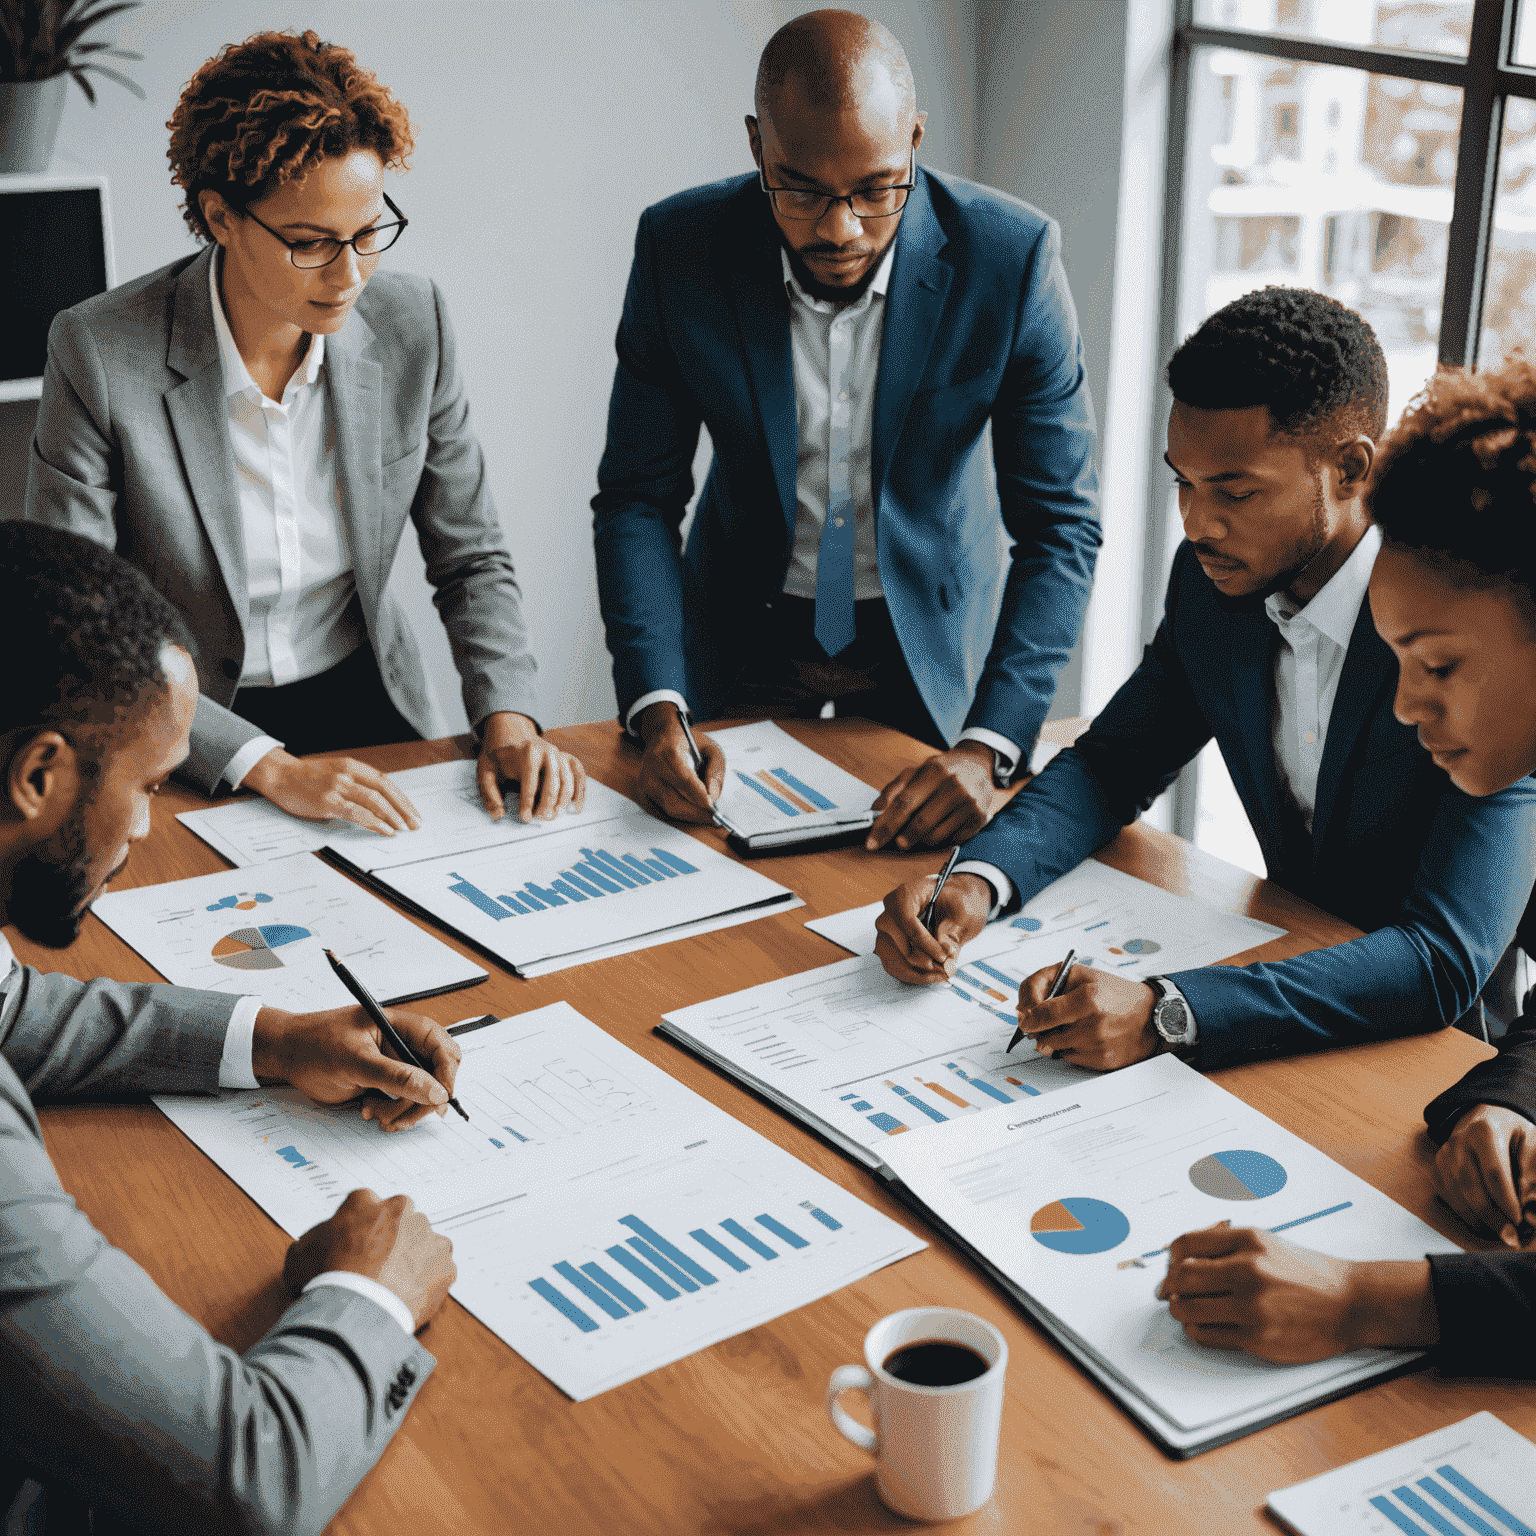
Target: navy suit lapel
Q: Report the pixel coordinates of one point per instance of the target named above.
(762, 313)
(1368, 667)
(199, 416)
(1253, 639)
(914, 304)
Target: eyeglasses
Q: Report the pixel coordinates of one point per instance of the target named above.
(875, 203)
(309, 254)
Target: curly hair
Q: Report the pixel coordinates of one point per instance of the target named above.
(1455, 482)
(1314, 363)
(91, 628)
(268, 110)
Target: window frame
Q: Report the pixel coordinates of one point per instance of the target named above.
(1486, 78)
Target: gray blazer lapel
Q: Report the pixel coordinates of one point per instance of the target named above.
(353, 381)
(914, 303)
(200, 421)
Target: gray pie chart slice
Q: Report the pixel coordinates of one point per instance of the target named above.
(1211, 1178)
(258, 958)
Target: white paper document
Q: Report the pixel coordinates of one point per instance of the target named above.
(580, 893)
(1114, 921)
(263, 933)
(779, 792)
(861, 1058)
(1475, 1478)
(445, 796)
(1072, 1201)
(605, 1219)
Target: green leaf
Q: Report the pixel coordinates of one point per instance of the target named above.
(112, 74)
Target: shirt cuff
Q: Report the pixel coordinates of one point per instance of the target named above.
(350, 1280)
(1005, 749)
(1002, 886)
(247, 757)
(235, 1064)
(656, 696)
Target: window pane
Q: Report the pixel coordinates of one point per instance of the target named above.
(1423, 26)
(1524, 51)
(1317, 177)
(1509, 298)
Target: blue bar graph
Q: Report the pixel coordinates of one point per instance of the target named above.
(563, 1305)
(603, 1278)
(889, 1124)
(863, 1104)
(916, 1102)
(1467, 1486)
(782, 806)
(740, 1233)
(821, 1216)
(677, 1255)
(1300, 1221)
(782, 1232)
(642, 1272)
(997, 975)
(672, 1271)
(720, 1251)
(820, 801)
(1398, 1518)
(591, 1292)
(508, 1129)
(978, 1084)
(1442, 1495)
(600, 873)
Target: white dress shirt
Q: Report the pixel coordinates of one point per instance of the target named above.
(235, 1071)
(301, 621)
(1314, 643)
(835, 352)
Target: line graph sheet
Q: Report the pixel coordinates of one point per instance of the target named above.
(613, 1157)
(264, 933)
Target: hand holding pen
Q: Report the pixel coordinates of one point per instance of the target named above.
(680, 778)
(1058, 983)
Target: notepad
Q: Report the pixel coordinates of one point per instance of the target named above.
(1475, 1476)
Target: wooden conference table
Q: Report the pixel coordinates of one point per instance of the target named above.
(734, 1439)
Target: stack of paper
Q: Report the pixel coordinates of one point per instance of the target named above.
(264, 934)
(605, 1220)
(779, 793)
(1071, 1201)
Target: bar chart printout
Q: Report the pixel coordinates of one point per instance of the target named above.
(775, 785)
(606, 1221)
(1476, 1477)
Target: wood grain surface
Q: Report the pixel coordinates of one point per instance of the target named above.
(734, 1440)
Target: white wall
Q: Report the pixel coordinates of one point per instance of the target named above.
(543, 131)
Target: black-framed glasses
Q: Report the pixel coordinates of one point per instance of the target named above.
(309, 254)
(875, 203)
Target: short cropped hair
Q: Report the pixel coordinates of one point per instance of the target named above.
(1455, 481)
(268, 110)
(829, 73)
(1312, 361)
(85, 631)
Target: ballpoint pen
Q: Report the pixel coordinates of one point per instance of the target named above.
(949, 865)
(391, 1034)
(1056, 986)
(698, 768)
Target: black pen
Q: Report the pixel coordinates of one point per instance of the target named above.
(698, 768)
(949, 865)
(1056, 986)
(391, 1034)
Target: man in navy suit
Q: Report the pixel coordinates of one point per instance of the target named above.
(846, 323)
(1266, 644)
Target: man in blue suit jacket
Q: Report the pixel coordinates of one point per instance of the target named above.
(1267, 644)
(846, 323)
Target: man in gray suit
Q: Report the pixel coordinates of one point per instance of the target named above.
(119, 1412)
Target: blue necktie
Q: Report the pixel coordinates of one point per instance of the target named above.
(835, 627)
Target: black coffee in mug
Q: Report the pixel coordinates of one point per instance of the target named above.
(935, 1363)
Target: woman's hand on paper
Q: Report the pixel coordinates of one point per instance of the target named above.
(548, 780)
(1486, 1173)
(1238, 1288)
(907, 950)
(1099, 1020)
(318, 788)
(339, 1055)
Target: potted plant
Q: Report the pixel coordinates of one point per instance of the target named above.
(42, 43)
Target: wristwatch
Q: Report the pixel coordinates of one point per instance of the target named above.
(1172, 1016)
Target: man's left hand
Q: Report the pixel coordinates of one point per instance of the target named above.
(946, 800)
(548, 780)
(1099, 1020)
(339, 1055)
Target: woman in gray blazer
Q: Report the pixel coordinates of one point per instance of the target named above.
(254, 425)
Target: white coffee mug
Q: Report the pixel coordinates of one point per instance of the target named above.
(935, 1447)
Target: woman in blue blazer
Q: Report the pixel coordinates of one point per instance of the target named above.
(255, 425)
(1454, 595)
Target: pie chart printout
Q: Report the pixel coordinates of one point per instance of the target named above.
(1080, 1225)
(255, 949)
(1237, 1176)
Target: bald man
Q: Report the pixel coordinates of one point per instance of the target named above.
(846, 322)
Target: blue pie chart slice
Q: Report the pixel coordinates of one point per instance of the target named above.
(1238, 1175)
(1080, 1225)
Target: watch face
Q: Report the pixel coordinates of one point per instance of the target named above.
(1172, 1019)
